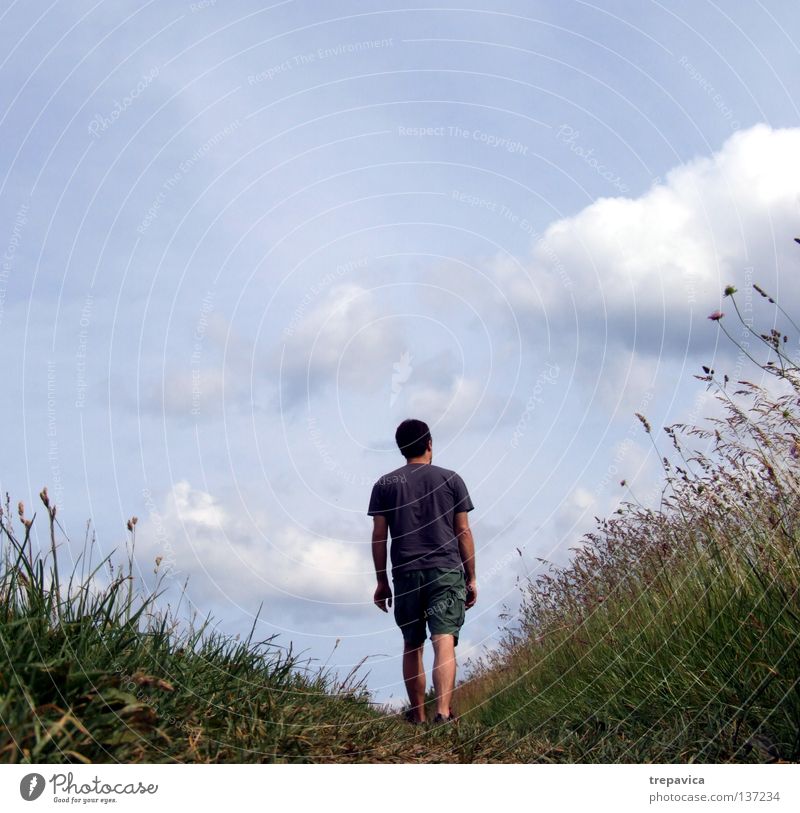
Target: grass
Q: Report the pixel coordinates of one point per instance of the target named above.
(95, 673)
(672, 635)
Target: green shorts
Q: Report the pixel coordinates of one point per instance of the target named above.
(432, 596)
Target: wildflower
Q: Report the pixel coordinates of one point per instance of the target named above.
(623, 483)
(644, 421)
(44, 498)
(730, 290)
(716, 316)
(131, 522)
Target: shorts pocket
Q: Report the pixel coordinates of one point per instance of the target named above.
(445, 605)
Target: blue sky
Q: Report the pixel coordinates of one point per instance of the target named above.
(242, 243)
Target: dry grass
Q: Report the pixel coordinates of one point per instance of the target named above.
(673, 633)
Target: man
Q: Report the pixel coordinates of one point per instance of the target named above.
(424, 507)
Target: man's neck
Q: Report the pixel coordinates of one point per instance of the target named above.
(423, 459)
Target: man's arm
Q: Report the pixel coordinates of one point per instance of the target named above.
(466, 549)
(380, 532)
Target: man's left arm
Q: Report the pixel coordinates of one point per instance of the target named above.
(466, 544)
(380, 533)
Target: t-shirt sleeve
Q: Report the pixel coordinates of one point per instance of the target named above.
(461, 498)
(377, 506)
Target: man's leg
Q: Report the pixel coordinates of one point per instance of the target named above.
(444, 671)
(414, 676)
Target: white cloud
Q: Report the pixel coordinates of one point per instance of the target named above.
(240, 556)
(215, 372)
(647, 271)
(192, 392)
(344, 338)
(574, 515)
(447, 406)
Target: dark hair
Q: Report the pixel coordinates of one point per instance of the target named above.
(412, 437)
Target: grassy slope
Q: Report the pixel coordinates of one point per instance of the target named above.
(702, 673)
(673, 634)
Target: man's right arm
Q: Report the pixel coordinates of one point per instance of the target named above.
(466, 549)
(380, 533)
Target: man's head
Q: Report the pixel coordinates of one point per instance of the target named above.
(413, 438)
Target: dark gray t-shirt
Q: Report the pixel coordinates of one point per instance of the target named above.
(419, 501)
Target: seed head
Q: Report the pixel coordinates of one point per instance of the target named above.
(730, 290)
(644, 421)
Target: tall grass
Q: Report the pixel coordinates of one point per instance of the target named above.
(672, 635)
(93, 671)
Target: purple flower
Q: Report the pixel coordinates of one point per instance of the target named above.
(716, 316)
